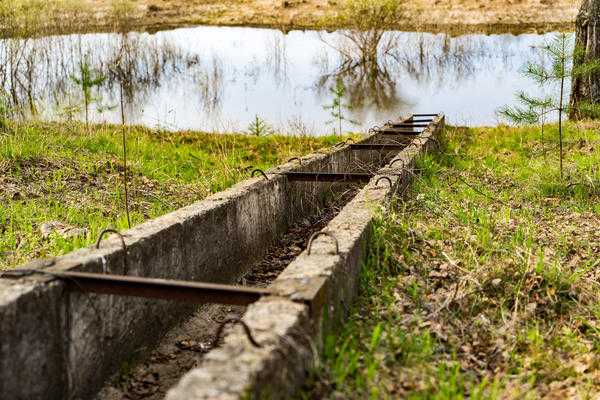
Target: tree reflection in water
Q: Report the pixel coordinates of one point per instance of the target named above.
(210, 78)
(211, 85)
(39, 71)
(366, 68)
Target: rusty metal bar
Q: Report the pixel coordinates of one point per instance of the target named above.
(424, 115)
(408, 125)
(182, 291)
(327, 177)
(399, 131)
(377, 146)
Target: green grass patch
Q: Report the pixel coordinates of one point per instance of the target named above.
(483, 282)
(73, 175)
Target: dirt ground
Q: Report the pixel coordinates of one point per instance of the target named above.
(432, 15)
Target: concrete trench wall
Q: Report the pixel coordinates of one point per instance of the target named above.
(313, 295)
(56, 344)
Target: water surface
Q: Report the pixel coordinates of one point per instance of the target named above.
(222, 78)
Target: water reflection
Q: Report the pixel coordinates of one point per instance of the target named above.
(366, 68)
(276, 60)
(39, 76)
(220, 78)
(211, 85)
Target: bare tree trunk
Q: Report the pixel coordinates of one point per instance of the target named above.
(586, 88)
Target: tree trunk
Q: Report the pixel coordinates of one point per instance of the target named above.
(586, 88)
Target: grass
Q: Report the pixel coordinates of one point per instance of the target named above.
(483, 282)
(73, 175)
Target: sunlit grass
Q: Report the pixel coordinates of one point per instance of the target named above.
(483, 282)
(67, 173)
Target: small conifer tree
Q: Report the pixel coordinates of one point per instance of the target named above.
(337, 107)
(87, 80)
(259, 127)
(534, 110)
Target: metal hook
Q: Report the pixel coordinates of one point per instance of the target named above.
(413, 144)
(396, 160)
(374, 130)
(110, 230)
(247, 331)
(344, 142)
(261, 172)
(383, 178)
(323, 233)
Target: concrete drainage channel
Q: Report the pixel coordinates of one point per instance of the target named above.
(67, 324)
(183, 348)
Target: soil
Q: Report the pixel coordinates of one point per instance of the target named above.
(156, 370)
(451, 16)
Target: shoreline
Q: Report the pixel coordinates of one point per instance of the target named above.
(450, 30)
(493, 17)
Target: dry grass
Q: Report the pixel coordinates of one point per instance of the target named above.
(454, 16)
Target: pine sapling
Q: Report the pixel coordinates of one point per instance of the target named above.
(259, 127)
(535, 110)
(337, 107)
(87, 80)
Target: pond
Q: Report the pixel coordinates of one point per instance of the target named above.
(222, 78)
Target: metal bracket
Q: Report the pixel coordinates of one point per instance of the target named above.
(383, 178)
(261, 172)
(322, 233)
(343, 143)
(247, 331)
(116, 232)
(398, 160)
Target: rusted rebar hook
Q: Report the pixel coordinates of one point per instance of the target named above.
(247, 331)
(295, 159)
(375, 129)
(386, 178)
(261, 172)
(344, 142)
(123, 245)
(396, 160)
(322, 233)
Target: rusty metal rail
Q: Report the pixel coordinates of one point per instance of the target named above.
(328, 177)
(152, 288)
(408, 125)
(377, 146)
